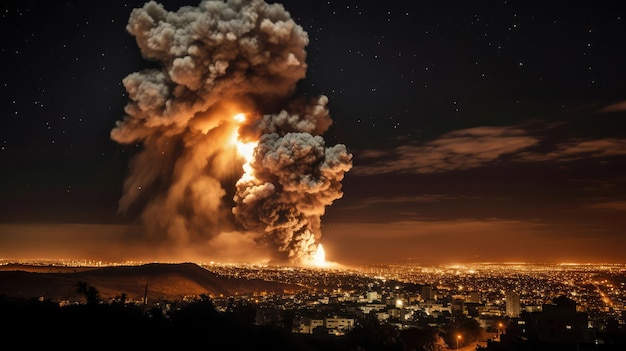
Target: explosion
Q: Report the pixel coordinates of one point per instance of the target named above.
(228, 148)
(320, 256)
(318, 260)
(245, 149)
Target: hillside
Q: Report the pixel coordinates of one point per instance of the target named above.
(164, 282)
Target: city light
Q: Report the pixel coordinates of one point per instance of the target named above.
(388, 292)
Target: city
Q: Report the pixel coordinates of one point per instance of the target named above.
(405, 296)
(483, 306)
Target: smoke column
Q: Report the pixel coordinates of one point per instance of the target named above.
(189, 181)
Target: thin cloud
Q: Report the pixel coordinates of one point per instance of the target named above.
(609, 205)
(463, 227)
(423, 198)
(620, 106)
(457, 150)
(579, 149)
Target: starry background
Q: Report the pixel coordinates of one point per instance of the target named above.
(480, 132)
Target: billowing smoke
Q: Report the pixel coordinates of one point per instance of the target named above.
(215, 61)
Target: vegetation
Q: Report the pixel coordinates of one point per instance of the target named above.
(35, 323)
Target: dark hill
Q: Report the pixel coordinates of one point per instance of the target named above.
(164, 282)
(50, 268)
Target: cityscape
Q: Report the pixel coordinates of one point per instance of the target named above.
(488, 306)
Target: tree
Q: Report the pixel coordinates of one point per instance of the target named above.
(422, 339)
(375, 335)
(91, 293)
(241, 311)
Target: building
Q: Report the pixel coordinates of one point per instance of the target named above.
(309, 324)
(338, 325)
(513, 307)
(475, 296)
(331, 325)
(457, 306)
(560, 322)
(558, 326)
(371, 296)
(427, 292)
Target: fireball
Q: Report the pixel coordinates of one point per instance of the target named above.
(244, 149)
(319, 259)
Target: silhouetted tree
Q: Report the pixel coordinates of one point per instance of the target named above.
(198, 314)
(290, 315)
(121, 299)
(371, 334)
(241, 311)
(423, 339)
(91, 293)
(469, 329)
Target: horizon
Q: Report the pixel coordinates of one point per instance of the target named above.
(122, 242)
(337, 266)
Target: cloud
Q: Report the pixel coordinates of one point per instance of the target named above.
(619, 205)
(423, 198)
(579, 149)
(425, 228)
(457, 150)
(620, 106)
(479, 146)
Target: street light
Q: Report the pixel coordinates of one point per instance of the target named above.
(458, 337)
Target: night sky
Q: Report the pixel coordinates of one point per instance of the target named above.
(478, 132)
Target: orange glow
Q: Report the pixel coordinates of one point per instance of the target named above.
(245, 149)
(240, 117)
(320, 256)
(318, 259)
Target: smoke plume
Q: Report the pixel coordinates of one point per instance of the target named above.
(189, 181)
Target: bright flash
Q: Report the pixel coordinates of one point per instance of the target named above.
(320, 256)
(240, 117)
(245, 149)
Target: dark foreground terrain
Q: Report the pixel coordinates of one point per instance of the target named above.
(163, 282)
(187, 306)
(96, 308)
(33, 324)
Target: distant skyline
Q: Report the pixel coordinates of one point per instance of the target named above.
(477, 134)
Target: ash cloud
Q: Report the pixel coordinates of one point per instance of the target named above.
(296, 177)
(217, 60)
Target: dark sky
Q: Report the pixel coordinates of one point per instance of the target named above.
(478, 132)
